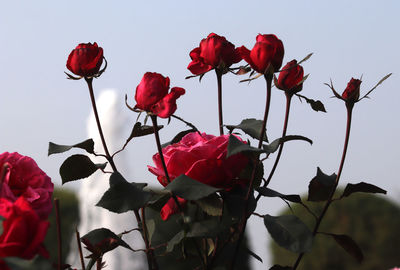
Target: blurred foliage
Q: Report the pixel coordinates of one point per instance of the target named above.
(371, 221)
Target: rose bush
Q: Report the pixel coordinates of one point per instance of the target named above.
(290, 77)
(352, 91)
(152, 95)
(24, 178)
(266, 55)
(23, 230)
(202, 157)
(213, 52)
(85, 60)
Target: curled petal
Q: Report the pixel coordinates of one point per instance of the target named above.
(167, 106)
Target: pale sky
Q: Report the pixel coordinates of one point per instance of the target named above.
(348, 38)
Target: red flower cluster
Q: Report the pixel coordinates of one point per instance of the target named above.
(85, 60)
(25, 203)
(152, 95)
(213, 52)
(266, 55)
(202, 157)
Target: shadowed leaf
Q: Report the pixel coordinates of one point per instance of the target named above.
(77, 167)
(321, 186)
(317, 106)
(289, 232)
(251, 127)
(87, 145)
(103, 240)
(185, 187)
(235, 146)
(272, 147)
(175, 240)
(211, 205)
(178, 137)
(361, 187)
(123, 196)
(348, 244)
(272, 193)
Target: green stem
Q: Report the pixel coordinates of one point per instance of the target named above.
(220, 118)
(349, 107)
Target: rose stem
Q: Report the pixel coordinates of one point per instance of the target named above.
(99, 263)
(242, 225)
(108, 156)
(96, 115)
(219, 82)
(151, 263)
(285, 125)
(349, 107)
(59, 240)
(78, 241)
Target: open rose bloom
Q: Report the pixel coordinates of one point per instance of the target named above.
(202, 157)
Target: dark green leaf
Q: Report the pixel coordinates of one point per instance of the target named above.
(212, 205)
(205, 228)
(139, 130)
(289, 232)
(178, 137)
(317, 106)
(1, 224)
(185, 187)
(235, 146)
(361, 187)
(280, 267)
(251, 127)
(321, 186)
(254, 255)
(272, 147)
(247, 173)
(381, 81)
(272, 193)
(151, 227)
(87, 145)
(77, 167)
(123, 196)
(348, 244)
(175, 240)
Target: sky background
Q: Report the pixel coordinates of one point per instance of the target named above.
(348, 38)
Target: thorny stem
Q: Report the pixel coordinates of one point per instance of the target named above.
(219, 82)
(89, 82)
(59, 240)
(285, 125)
(99, 263)
(78, 241)
(349, 107)
(243, 222)
(151, 263)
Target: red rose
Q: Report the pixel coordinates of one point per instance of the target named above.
(25, 179)
(23, 230)
(214, 52)
(290, 77)
(152, 95)
(85, 60)
(352, 91)
(201, 157)
(266, 55)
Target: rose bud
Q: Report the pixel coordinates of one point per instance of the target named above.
(202, 157)
(23, 230)
(85, 60)
(152, 95)
(24, 178)
(290, 78)
(266, 55)
(352, 91)
(214, 52)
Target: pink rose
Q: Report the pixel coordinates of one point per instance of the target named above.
(23, 230)
(152, 95)
(24, 178)
(202, 157)
(213, 52)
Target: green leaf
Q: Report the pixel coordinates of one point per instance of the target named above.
(77, 167)
(138, 131)
(185, 187)
(151, 228)
(205, 228)
(235, 146)
(289, 232)
(264, 191)
(211, 205)
(272, 147)
(361, 187)
(1, 224)
(104, 240)
(123, 196)
(317, 106)
(251, 127)
(178, 137)
(87, 145)
(321, 186)
(247, 173)
(175, 240)
(348, 244)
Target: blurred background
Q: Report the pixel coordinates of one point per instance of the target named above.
(349, 39)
